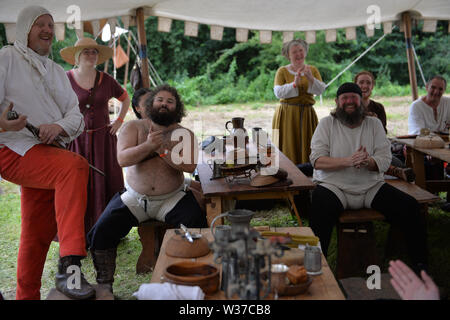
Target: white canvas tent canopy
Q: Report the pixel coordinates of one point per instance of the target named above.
(265, 16)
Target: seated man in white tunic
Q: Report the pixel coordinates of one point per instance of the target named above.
(431, 111)
(350, 153)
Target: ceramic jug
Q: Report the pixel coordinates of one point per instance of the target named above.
(239, 219)
(238, 132)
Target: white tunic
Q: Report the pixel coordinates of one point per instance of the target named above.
(333, 139)
(45, 96)
(421, 116)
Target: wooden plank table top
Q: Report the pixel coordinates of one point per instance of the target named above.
(219, 187)
(323, 287)
(416, 156)
(219, 192)
(439, 153)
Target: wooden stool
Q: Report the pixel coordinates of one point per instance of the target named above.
(356, 289)
(151, 233)
(356, 242)
(356, 239)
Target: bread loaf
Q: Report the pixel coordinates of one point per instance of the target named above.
(297, 274)
(290, 257)
(431, 141)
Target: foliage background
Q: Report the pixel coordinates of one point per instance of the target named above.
(217, 72)
(209, 72)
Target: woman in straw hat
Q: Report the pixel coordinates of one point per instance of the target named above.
(98, 142)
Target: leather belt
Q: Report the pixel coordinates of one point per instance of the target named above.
(296, 104)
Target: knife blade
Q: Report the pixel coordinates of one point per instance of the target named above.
(186, 233)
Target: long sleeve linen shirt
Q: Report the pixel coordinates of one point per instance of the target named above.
(284, 86)
(333, 139)
(45, 96)
(421, 116)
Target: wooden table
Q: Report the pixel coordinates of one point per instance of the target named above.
(416, 159)
(323, 287)
(218, 191)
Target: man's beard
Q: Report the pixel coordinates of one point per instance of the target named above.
(349, 119)
(162, 118)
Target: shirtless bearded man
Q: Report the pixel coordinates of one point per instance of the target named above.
(156, 151)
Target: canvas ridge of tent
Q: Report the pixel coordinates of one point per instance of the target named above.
(265, 16)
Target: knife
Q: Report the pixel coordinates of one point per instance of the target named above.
(13, 115)
(186, 233)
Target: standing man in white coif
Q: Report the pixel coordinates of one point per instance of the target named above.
(431, 111)
(53, 180)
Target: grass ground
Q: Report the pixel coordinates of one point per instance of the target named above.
(210, 121)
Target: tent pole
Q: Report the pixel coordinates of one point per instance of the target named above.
(142, 46)
(406, 18)
(105, 69)
(125, 78)
(114, 55)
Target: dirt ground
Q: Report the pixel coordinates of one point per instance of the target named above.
(207, 121)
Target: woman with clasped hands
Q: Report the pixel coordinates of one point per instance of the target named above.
(295, 119)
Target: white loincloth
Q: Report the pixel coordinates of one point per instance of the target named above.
(145, 207)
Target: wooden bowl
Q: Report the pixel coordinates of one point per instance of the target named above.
(289, 289)
(180, 247)
(295, 289)
(190, 273)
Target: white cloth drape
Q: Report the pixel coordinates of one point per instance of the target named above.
(168, 291)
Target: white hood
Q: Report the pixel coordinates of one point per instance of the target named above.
(25, 21)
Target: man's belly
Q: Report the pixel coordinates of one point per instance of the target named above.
(155, 182)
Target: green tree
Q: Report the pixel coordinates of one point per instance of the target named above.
(207, 71)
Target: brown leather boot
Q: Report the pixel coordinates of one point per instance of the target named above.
(406, 174)
(105, 266)
(66, 282)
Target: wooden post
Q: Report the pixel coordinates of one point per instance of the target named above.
(125, 78)
(142, 46)
(105, 69)
(406, 18)
(114, 54)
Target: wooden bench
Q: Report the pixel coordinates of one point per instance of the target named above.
(355, 234)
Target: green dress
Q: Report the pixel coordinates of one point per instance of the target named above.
(295, 119)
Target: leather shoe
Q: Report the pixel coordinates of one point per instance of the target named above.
(78, 289)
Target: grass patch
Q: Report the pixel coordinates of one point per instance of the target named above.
(396, 116)
(127, 281)
(279, 216)
(256, 106)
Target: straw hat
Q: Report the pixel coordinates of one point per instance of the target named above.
(104, 52)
